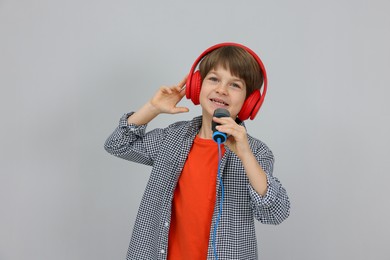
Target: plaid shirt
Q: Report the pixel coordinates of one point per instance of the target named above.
(166, 150)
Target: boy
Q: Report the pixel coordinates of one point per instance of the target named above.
(180, 216)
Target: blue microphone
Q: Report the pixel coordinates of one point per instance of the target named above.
(218, 136)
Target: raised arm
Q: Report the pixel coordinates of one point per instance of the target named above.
(130, 141)
(164, 101)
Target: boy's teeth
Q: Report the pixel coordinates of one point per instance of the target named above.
(219, 102)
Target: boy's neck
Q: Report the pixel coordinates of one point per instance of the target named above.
(205, 131)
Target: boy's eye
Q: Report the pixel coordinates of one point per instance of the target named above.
(213, 79)
(236, 85)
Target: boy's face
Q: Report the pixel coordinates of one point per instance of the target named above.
(220, 89)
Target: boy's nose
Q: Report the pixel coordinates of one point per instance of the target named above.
(221, 88)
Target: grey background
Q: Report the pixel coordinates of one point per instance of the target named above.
(70, 69)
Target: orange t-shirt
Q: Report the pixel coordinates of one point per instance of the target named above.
(193, 202)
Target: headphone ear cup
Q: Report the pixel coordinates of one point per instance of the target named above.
(193, 89)
(251, 106)
(256, 108)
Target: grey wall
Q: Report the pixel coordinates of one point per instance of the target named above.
(70, 69)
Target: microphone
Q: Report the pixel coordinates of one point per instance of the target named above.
(218, 136)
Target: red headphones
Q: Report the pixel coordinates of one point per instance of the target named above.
(251, 105)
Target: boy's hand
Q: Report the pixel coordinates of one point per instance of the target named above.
(166, 99)
(238, 143)
(237, 136)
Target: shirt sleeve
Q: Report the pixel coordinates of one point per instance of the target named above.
(131, 142)
(274, 206)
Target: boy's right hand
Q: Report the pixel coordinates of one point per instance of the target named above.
(164, 101)
(167, 98)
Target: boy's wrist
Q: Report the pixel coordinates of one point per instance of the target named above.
(152, 109)
(144, 115)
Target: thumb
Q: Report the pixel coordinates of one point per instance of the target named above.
(177, 110)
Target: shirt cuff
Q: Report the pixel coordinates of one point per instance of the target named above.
(268, 199)
(131, 129)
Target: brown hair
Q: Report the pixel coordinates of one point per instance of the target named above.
(238, 61)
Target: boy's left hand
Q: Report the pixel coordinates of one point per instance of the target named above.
(237, 136)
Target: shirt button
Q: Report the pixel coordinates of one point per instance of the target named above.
(166, 224)
(162, 251)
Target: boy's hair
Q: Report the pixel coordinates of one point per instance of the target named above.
(238, 61)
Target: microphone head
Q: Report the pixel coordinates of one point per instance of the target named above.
(219, 112)
(219, 137)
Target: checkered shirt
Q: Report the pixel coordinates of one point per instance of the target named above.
(166, 151)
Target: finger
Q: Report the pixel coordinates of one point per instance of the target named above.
(166, 90)
(182, 92)
(224, 120)
(232, 130)
(179, 88)
(181, 84)
(177, 110)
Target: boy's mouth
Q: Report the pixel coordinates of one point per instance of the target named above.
(219, 102)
